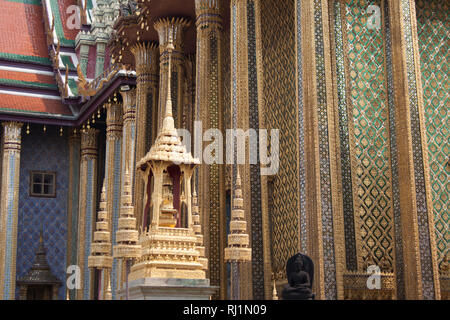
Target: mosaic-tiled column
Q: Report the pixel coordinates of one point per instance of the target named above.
(73, 199)
(246, 104)
(171, 30)
(320, 222)
(87, 208)
(146, 59)
(416, 264)
(113, 172)
(129, 133)
(209, 110)
(128, 150)
(9, 208)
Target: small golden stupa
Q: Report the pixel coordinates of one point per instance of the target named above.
(127, 236)
(238, 249)
(100, 257)
(168, 251)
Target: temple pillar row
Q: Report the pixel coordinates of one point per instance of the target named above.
(11, 147)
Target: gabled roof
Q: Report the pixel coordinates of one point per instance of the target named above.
(27, 78)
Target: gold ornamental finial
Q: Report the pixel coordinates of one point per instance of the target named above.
(169, 81)
(108, 294)
(274, 292)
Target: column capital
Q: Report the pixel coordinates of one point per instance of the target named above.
(208, 14)
(12, 136)
(89, 143)
(146, 57)
(129, 105)
(171, 30)
(114, 120)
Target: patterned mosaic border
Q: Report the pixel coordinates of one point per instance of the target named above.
(426, 258)
(324, 154)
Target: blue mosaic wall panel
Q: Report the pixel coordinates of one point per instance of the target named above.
(43, 152)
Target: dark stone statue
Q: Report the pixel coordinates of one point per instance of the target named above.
(300, 275)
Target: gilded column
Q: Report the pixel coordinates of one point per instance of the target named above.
(73, 199)
(246, 113)
(113, 172)
(320, 216)
(171, 30)
(416, 264)
(146, 59)
(210, 110)
(87, 208)
(128, 150)
(9, 208)
(129, 134)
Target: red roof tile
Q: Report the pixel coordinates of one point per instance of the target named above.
(22, 29)
(33, 104)
(24, 76)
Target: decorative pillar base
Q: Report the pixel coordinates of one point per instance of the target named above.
(169, 289)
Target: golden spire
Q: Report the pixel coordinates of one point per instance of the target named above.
(168, 145)
(100, 257)
(127, 236)
(169, 122)
(238, 240)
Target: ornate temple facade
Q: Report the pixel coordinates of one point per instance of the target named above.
(99, 182)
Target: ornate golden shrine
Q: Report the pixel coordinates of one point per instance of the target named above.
(168, 250)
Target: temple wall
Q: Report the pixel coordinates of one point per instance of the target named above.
(43, 152)
(362, 78)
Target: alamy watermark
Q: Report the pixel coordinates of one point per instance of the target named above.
(374, 280)
(74, 279)
(211, 147)
(374, 21)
